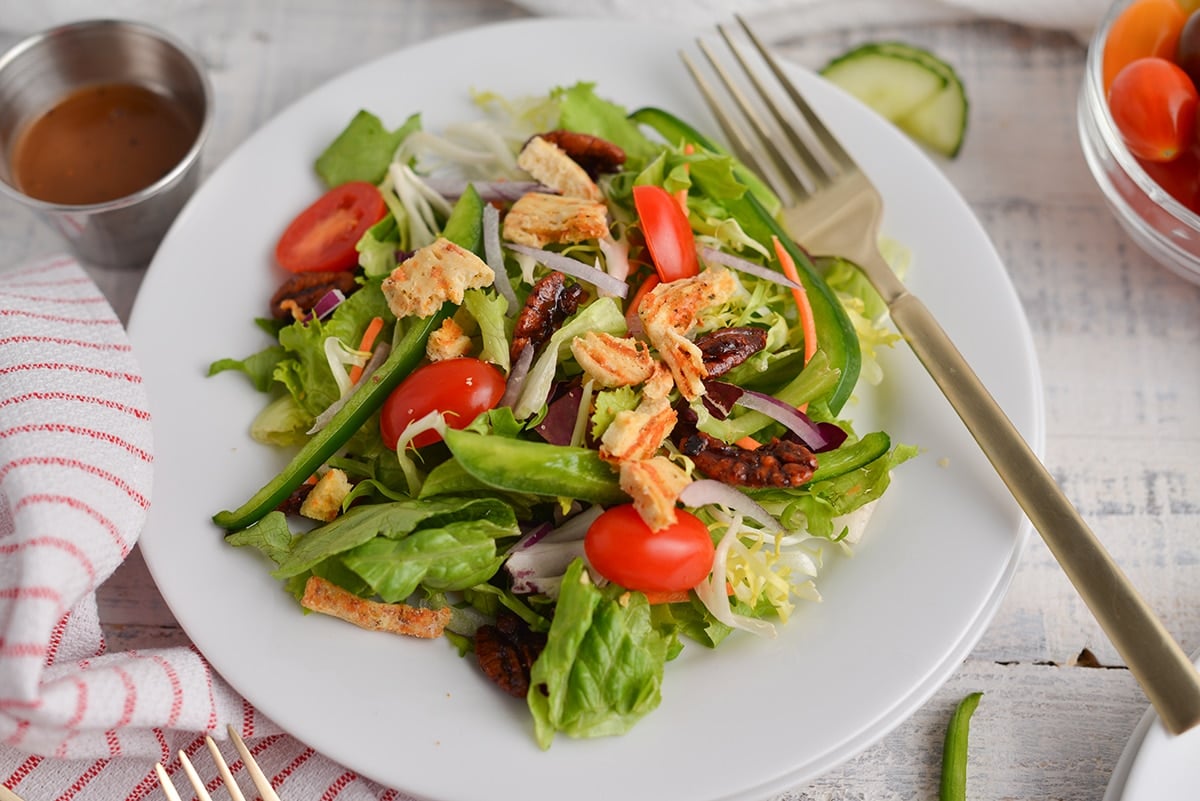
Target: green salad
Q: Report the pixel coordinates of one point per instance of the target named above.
(558, 388)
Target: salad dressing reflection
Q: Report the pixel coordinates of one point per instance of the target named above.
(101, 143)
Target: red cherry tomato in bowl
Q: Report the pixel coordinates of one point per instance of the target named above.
(667, 232)
(1153, 103)
(461, 389)
(623, 549)
(1144, 28)
(323, 237)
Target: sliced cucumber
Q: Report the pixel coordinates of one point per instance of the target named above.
(888, 79)
(892, 85)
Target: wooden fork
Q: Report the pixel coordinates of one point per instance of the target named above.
(256, 775)
(831, 207)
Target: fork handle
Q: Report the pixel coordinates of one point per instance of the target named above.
(1166, 674)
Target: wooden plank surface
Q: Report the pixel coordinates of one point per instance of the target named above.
(1117, 338)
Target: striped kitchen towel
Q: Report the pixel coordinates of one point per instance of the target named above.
(76, 469)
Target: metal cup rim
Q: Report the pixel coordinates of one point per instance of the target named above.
(176, 173)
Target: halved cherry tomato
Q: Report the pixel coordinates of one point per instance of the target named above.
(1145, 28)
(1153, 104)
(323, 236)
(461, 389)
(623, 549)
(667, 232)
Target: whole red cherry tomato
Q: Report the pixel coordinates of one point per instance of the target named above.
(1145, 28)
(1187, 52)
(323, 236)
(1153, 104)
(1180, 177)
(461, 389)
(623, 549)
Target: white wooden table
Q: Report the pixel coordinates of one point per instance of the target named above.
(1118, 340)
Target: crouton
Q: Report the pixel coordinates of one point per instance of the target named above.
(439, 272)
(448, 342)
(550, 165)
(613, 361)
(671, 310)
(538, 219)
(329, 599)
(654, 484)
(638, 433)
(324, 501)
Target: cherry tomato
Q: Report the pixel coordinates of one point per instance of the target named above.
(1153, 104)
(459, 388)
(1180, 177)
(1145, 28)
(667, 231)
(623, 549)
(323, 236)
(1187, 52)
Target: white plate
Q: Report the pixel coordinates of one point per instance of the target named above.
(755, 717)
(1156, 765)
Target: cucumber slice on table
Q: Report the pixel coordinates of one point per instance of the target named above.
(914, 89)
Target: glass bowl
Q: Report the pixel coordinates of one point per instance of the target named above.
(1162, 226)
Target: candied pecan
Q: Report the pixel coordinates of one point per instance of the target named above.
(778, 463)
(301, 292)
(726, 348)
(551, 301)
(594, 154)
(506, 652)
(292, 503)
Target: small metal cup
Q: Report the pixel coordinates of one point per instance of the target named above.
(42, 69)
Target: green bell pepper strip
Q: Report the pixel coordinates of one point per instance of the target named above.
(465, 228)
(840, 461)
(954, 754)
(537, 468)
(835, 333)
(369, 396)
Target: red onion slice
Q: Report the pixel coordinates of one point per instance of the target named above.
(707, 491)
(575, 268)
(489, 191)
(516, 377)
(711, 254)
(782, 412)
(328, 302)
(495, 257)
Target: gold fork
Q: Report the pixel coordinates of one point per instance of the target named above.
(831, 207)
(256, 775)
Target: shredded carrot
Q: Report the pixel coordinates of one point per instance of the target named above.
(368, 342)
(675, 596)
(808, 325)
(666, 596)
(681, 195)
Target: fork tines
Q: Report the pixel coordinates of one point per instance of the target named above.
(261, 783)
(804, 156)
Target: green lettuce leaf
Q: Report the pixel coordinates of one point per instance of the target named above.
(281, 422)
(270, 535)
(363, 150)
(392, 520)
(581, 109)
(455, 556)
(601, 670)
(306, 373)
(259, 367)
